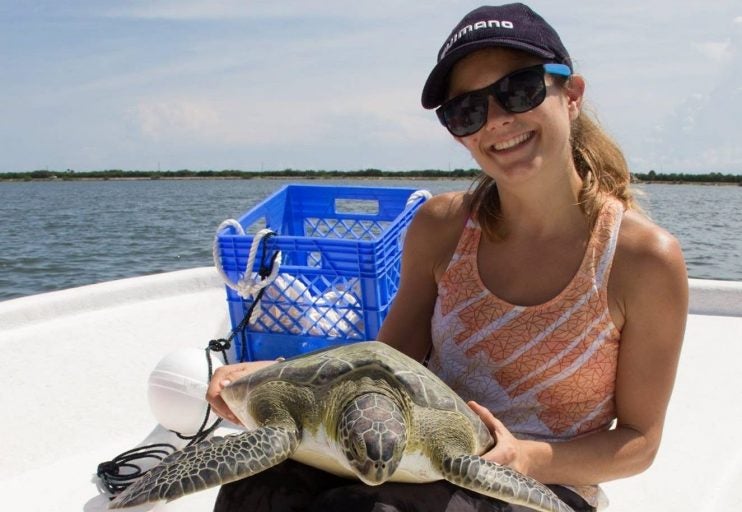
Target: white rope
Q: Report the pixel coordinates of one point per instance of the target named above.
(417, 194)
(248, 285)
(414, 197)
(216, 253)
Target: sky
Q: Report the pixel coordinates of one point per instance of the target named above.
(335, 84)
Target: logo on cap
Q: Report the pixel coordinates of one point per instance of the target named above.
(471, 28)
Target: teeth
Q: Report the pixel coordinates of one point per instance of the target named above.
(512, 142)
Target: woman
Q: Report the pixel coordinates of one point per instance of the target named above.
(543, 296)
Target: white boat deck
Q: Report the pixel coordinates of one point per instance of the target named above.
(76, 363)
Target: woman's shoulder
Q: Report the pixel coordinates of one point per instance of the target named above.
(443, 213)
(648, 261)
(642, 243)
(437, 227)
(448, 206)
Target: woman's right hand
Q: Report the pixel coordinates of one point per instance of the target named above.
(223, 376)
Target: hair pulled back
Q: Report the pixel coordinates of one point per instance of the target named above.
(599, 162)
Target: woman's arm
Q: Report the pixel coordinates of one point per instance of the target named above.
(428, 246)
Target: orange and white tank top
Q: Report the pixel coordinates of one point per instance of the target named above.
(547, 371)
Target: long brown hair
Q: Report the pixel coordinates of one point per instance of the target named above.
(599, 162)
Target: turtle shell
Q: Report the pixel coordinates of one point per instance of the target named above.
(328, 366)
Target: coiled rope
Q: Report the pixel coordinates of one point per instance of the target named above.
(123, 470)
(246, 286)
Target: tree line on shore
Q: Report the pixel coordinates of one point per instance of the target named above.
(232, 173)
(113, 174)
(674, 177)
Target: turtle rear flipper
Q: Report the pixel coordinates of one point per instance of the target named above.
(217, 461)
(479, 475)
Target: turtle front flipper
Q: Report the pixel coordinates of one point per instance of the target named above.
(479, 475)
(217, 461)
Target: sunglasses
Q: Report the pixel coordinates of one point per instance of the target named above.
(520, 91)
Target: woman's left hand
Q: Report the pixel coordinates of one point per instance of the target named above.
(508, 450)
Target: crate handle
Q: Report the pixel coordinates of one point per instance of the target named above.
(246, 286)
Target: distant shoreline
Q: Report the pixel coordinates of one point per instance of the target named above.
(704, 183)
(710, 179)
(236, 178)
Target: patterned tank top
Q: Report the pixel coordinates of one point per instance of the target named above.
(547, 371)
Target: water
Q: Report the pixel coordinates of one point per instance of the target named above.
(61, 234)
(707, 220)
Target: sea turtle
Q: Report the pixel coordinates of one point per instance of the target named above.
(361, 410)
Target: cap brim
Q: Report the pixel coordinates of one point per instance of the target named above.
(436, 86)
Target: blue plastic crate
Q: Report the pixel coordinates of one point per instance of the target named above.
(340, 249)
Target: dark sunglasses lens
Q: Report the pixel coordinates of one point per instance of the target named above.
(517, 93)
(521, 92)
(466, 114)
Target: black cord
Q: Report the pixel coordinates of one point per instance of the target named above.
(204, 432)
(264, 271)
(120, 472)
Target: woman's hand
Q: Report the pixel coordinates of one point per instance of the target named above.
(507, 451)
(223, 376)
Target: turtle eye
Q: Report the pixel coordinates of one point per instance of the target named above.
(357, 447)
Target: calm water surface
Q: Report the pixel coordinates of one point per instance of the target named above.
(60, 234)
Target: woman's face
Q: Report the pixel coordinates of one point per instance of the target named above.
(514, 148)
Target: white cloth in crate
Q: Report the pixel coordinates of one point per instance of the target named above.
(292, 304)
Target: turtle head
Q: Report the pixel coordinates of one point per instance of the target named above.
(373, 434)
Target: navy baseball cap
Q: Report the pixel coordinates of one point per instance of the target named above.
(511, 26)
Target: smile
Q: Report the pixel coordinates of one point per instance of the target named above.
(510, 143)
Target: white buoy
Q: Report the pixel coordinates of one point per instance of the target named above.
(177, 389)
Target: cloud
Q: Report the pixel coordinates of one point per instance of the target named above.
(305, 83)
(239, 121)
(702, 132)
(182, 9)
(175, 118)
(239, 9)
(717, 51)
(216, 123)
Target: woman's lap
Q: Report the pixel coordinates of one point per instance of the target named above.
(294, 487)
